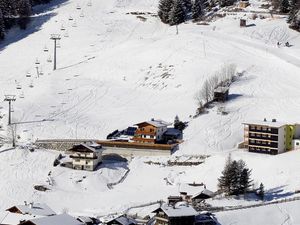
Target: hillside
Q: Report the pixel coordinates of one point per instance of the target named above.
(115, 70)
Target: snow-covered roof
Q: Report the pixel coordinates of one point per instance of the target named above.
(15, 218)
(190, 189)
(36, 209)
(221, 89)
(92, 147)
(156, 123)
(205, 192)
(180, 209)
(125, 220)
(62, 219)
(269, 123)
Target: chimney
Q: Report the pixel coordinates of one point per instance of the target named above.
(25, 202)
(152, 119)
(31, 205)
(273, 120)
(265, 120)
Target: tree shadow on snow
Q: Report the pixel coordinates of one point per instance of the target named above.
(277, 193)
(15, 34)
(232, 97)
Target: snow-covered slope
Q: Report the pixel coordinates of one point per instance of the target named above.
(114, 70)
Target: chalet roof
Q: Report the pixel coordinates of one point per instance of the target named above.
(15, 218)
(173, 131)
(181, 209)
(62, 219)
(156, 123)
(221, 89)
(87, 148)
(190, 189)
(276, 124)
(205, 192)
(36, 209)
(125, 220)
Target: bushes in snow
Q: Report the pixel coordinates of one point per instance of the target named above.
(223, 77)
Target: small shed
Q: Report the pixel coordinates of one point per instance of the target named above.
(244, 3)
(205, 194)
(243, 23)
(221, 94)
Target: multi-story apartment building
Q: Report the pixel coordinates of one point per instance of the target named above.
(271, 137)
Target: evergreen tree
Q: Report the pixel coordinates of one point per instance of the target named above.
(197, 9)
(164, 9)
(224, 182)
(245, 181)
(177, 13)
(285, 6)
(2, 28)
(187, 6)
(24, 11)
(261, 191)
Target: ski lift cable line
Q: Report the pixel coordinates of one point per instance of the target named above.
(33, 121)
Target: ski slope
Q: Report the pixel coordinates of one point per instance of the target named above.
(115, 70)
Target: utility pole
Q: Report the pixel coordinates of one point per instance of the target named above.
(9, 99)
(55, 37)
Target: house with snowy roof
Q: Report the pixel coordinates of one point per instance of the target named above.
(122, 220)
(86, 156)
(178, 214)
(35, 209)
(150, 131)
(62, 219)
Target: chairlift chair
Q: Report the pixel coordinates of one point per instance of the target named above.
(66, 34)
(46, 49)
(12, 109)
(58, 44)
(41, 72)
(37, 62)
(89, 3)
(28, 74)
(22, 95)
(70, 18)
(19, 86)
(81, 14)
(31, 85)
(62, 27)
(49, 59)
(78, 7)
(74, 24)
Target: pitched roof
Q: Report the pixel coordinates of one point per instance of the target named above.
(36, 209)
(125, 220)
(14, 218)
(62, 219)
(89, 148)
(180, 209)
(205, 192)
(156, 123)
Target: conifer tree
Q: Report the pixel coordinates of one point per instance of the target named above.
(2, 28)
(285, 6)
(224, 180)
(197, 9)
(177, 13)
(261, 191)
(164, 9)
(187, 6)
(24, 11)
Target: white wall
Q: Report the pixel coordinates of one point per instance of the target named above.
(281, 139)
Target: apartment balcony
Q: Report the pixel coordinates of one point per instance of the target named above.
(265, 131)
(260, 137)
(269, 145)
(82, 157)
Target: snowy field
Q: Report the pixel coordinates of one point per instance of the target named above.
(115, 70)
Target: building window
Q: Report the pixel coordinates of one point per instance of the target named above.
(151, 136)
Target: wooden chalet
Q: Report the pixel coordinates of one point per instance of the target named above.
(62, 219)
(179, 214)
(122, 220)
(35, 209)
(150, 131)
(86, 156)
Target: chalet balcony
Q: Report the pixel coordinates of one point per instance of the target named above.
(142, 132)
(82, 157)
(139, 139)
